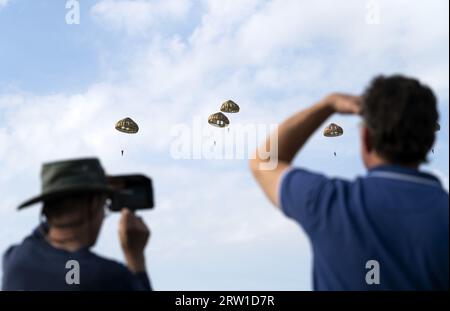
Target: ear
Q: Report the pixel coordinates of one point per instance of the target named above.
(97, 200)
(366, 139)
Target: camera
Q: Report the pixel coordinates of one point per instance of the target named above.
(131, 191)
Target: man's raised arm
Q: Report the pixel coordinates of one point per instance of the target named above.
(291, 137)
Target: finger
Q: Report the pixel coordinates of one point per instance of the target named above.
(356, 108)
(123, 216)
(126, 212)
(127, 219)
(353, 104)
(140, 223)
(358, 100)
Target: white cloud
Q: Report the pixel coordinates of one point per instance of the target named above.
(3, 3)
(138, 16)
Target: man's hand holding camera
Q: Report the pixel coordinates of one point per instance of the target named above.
(133, 234)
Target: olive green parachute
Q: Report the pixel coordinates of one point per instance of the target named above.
(333, 130)
(219, 120)
(229, 107)
(127, 125)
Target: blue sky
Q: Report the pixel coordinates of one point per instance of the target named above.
(62, 88)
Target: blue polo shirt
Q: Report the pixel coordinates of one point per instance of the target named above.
(36, 265)
(395, 216)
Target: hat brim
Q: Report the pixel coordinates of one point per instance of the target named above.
(64, 192)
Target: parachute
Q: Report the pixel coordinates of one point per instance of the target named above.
(218, 120)
(127, 126)
(229, 107)
(333, 130)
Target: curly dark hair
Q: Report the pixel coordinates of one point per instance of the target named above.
(401, 115)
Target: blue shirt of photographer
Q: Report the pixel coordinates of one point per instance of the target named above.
(36, 265)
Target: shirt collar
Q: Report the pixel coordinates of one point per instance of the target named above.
(398, 172)
(41, 231)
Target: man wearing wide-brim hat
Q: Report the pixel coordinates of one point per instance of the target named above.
(56, 255)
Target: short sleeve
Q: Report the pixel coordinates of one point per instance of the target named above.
(144, 281)
(117, 277)
(305, 197)
(136, 282)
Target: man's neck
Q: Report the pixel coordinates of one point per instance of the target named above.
(70, 240)
(378, 161)
(375, 161)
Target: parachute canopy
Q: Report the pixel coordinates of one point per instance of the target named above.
(218, 119)
(230, 107)
(333, 130)
(127, 125)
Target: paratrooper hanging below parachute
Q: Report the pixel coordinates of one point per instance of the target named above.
(127, 126)
(333, 130)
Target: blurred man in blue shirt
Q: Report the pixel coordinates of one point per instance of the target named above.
(387, 230)
(57, 256)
